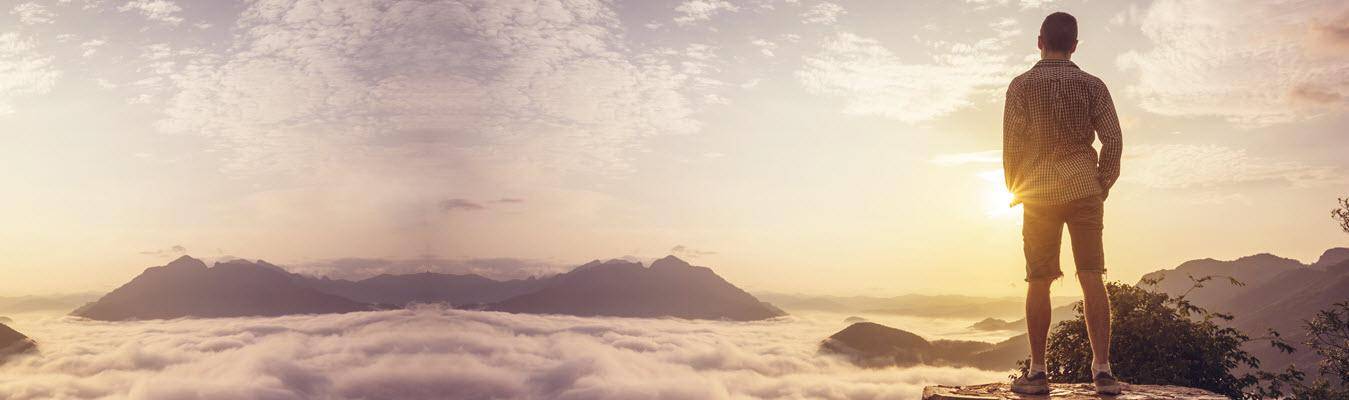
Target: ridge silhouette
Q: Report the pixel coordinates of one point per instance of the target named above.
(186, 287)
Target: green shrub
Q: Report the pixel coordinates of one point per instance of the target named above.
(1156, 339)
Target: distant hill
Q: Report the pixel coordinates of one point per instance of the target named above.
(938, 306)
(12, 342)
(426, 287)
(670, 287)
(1331, 257)
(44, 303)
(187, 288)
(1250, 270)
(874, 345)
(1056, 315)
(1279, 294)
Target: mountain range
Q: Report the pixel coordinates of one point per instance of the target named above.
(186, 287)
(670, 287)
(1275, 293)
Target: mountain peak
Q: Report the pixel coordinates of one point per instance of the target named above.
(1332, 256)
(669, 262)
(622, 288)
(1263, 257)
(12, 342)
(186, 262)
(235, 288)
(271, 266)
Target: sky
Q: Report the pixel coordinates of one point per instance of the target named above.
(792, 145)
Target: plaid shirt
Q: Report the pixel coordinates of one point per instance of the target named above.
(1047, 134)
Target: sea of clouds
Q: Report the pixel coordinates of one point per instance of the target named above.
(439, 353)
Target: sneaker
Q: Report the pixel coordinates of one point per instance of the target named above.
(1107, 384)
(1036, 383)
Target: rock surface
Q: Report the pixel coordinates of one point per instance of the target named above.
(1075, 391)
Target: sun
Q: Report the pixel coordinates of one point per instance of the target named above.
(995, 196)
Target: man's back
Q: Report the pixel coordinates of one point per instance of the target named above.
(1052, 112)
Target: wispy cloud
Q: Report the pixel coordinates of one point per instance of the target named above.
(364, 85)
(460, 204)
(1251, 62)
(433, 353)
(175, 250)
(691, 11)
(1180, 166)
(23, 71)
(1021, 3)
(689, 252)
(31, 13)
(871, 80)
(156, 10)
(824, 13)
(90, 47)
(766, 47)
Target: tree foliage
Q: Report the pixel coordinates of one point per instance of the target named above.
(1157, 339)
(1341, 214)
(1328, 336)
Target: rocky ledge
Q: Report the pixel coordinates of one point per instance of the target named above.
(1075, 391)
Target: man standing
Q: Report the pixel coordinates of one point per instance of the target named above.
(1054, 112)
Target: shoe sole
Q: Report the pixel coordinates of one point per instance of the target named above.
(1112, 391)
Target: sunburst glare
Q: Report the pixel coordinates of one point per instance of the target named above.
(996, 198)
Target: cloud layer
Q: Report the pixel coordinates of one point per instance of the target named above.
(23, 71)
(872, 80)
(1180, 166)
(1251, 62)
(307, 87)
(434, 353)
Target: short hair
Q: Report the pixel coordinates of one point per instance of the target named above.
(1059, 31)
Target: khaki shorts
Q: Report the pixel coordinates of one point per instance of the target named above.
(1042, 231)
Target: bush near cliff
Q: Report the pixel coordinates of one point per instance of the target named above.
(1164, 340)
(1157, 339)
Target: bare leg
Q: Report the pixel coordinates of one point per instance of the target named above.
(1037, 318)
(1097, 309)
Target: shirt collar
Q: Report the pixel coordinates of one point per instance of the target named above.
(1055, 63)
